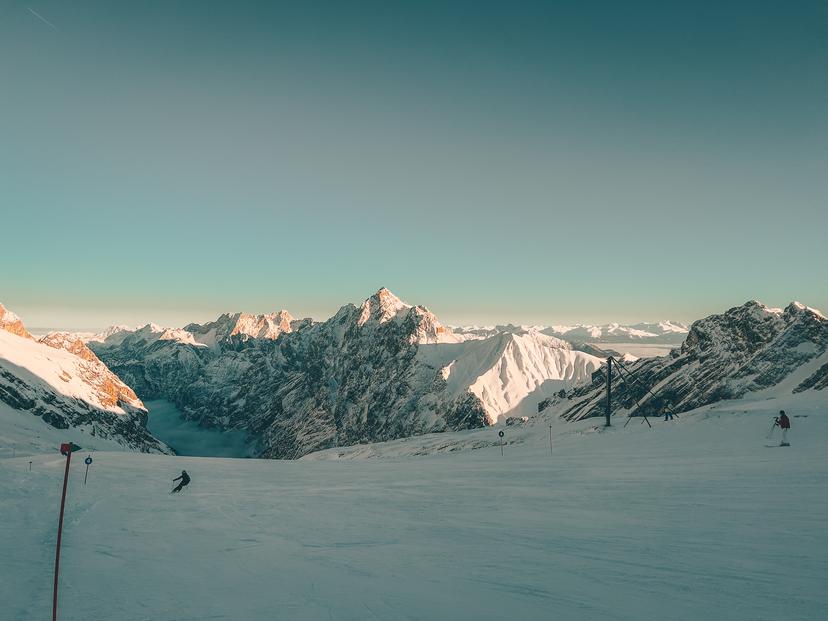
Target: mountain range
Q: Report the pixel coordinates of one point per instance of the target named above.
(385, 370)
(661, 333)
(378, 371)
(750, 349)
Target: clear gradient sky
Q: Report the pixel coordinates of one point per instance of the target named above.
(510, 161)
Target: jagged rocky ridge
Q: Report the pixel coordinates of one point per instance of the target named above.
(748, 349)
(59, 379)
(379, 371)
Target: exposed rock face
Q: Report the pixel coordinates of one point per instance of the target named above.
(12, 323)
(109, 389)
(244, 326)
(373, 372)
(60, 380)
(747, 349)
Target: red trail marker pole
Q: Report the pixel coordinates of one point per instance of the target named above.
(65, 449)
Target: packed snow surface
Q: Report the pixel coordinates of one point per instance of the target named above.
(695, 519)
(22, 434)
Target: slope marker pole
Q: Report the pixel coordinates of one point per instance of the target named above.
(65, 449)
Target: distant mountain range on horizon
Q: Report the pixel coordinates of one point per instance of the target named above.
(272, 324)
(379, 371)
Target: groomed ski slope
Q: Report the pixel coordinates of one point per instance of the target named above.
(691, 520)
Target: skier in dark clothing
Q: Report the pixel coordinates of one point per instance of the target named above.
(185, 480)
(784, 424)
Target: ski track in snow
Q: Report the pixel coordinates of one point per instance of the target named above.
(694, 519)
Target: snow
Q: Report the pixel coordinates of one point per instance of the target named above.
(669, 326)
(22, 434)
(112, 335)
(382, 306)
(505, 369)
(179, 335)
(690, 520)
(7, 316)
(802, 306)
(55, 369)
(667, 331)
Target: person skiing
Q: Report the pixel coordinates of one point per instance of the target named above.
(784, 424)
(668, 412)
(185, 480)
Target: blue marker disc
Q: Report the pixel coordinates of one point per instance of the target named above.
(87, 461)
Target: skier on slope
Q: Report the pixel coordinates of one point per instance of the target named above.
(784, 424)
(185, 480)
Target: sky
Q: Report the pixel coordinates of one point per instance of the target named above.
(526, 162)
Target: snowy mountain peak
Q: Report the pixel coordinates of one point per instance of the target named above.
(671, 326)
(12, 323)
(263, 326)
(109, 332)
(511, 372)
(244, 326)
(382, 306)
(419, 323)
(429, 329)
(798, 307)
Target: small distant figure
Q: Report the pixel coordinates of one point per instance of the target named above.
(185, 480)
(784, 424)
(668, 412)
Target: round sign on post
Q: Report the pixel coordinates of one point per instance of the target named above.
(87, 461)
(501, 434)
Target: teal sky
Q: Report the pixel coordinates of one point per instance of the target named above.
(525, 162)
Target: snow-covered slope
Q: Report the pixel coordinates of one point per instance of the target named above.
(691, 520)
(505, 369)
(96, 383)
(61, 381)
(381, 370)
(748, 349)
